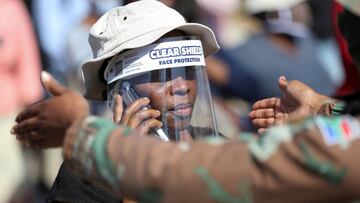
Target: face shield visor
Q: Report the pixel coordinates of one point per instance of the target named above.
(171, 74)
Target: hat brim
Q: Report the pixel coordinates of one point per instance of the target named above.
(94, 86)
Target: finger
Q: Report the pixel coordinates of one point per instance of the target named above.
(283, 83)
(265, 103)
(28, 136)
(37, 144)
(134, 107)
(279, 121)
(30, 111)
(34, 136)
(21, 137)
(25, 143)
(51, 84)
(277, 104)
(263, 122)
(118, 108)
(261, 131)
(148, 124)
(280, 116)
(141, 116)
(251, 115)
(262, 113)
(26, 126)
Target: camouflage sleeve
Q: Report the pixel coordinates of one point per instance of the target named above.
(313, 160)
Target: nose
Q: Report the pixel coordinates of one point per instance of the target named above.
(179, 87)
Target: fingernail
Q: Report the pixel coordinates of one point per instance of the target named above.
(283, 77)
(12, 131)
(45, 76)
(158, 112)
(146, 99)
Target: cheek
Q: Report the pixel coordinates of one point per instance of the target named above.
(154, 91)
(159, 93)
(193, 88)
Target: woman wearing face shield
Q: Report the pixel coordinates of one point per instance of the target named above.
(167, 100)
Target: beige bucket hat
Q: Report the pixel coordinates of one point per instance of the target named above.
(131, 26)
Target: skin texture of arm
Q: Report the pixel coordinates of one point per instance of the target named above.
(291, 163)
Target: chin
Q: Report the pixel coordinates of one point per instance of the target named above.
(178, 124)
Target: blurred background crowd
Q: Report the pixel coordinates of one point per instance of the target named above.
(260, 40)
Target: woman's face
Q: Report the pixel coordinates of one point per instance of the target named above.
(174, 96)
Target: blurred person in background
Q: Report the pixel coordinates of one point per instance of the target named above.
(77, 48)
(326, 45)
(20, 86)
(285, 46)
(53, 21)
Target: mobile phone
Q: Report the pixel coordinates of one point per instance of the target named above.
(129, 95)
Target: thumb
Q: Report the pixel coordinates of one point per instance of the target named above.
(283, 83)
(51, 84)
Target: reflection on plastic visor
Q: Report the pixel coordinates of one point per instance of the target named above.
(165, 75)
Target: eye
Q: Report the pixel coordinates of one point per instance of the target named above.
(124, 18)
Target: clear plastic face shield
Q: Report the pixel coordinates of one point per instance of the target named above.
(171, 74)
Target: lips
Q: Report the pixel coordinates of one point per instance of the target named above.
(182, 110)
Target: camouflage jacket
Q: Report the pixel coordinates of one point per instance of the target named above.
(312, 160)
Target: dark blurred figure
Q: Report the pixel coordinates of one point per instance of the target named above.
(352, 76)
(321, 12)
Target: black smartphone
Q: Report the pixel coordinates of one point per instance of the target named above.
(128, 95)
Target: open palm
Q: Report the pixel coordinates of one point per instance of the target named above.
(298, 101)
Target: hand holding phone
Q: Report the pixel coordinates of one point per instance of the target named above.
(129, 95)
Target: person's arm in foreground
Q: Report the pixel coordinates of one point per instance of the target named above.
(291, 163)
